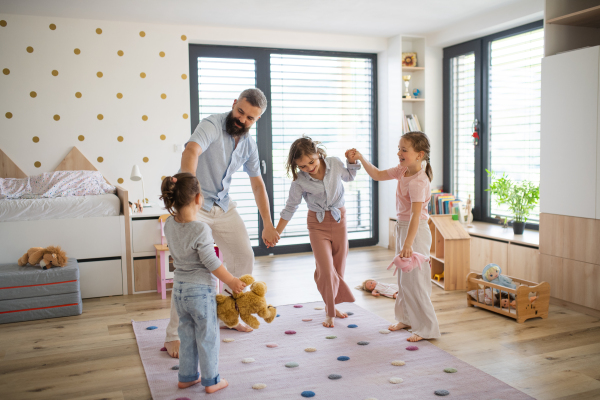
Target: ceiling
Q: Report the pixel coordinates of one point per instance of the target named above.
(380, 18)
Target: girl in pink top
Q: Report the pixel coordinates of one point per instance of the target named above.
(413, 306)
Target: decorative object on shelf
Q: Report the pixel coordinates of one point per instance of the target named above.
(521, 198)
(416, 93)
(136, 175)
(503, 221)
(406, 79)
(468, 214)
(409, 59)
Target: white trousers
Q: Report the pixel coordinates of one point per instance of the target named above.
(413, 304)
(231, 236)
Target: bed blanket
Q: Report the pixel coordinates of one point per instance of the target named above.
(55, 184)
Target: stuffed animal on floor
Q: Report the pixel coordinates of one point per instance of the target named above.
(244, 304)
(493, 274)
(48, 257)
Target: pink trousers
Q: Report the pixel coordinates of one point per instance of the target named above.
(329, 241)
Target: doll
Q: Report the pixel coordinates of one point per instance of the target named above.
(377, 288)
(492, 274)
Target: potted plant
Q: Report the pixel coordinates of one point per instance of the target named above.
(521, 198)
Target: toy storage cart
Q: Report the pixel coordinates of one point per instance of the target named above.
(524, 308)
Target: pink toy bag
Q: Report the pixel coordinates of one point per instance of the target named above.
(408, 264)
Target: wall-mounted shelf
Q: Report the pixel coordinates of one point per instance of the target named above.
(588, 18)
(413, 100)
(412, 69)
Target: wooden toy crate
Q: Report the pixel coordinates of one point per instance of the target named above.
(524, 308)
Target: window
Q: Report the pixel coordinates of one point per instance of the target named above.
(328, 96)
(493, 84)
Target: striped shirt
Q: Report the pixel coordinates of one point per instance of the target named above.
(321, 195)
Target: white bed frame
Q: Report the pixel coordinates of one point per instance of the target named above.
(101, 245)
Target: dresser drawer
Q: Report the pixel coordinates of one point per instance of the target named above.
(145, 234)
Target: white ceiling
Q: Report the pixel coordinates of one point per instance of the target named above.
(381, 18)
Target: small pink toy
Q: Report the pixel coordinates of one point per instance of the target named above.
(408, 264)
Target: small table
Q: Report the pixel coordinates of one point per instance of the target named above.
(162, 266)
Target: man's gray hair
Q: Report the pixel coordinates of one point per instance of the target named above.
(255, 97)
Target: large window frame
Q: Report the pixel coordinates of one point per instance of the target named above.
(264, 125)
(481, 48)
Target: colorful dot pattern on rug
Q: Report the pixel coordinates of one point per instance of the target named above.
(175, 367)
(228, 340)
(163, 349)
(382, 362)
(350, 313)
(298, 306)
(151, 328)
(352, 326)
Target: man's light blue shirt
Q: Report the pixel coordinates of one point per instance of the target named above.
(220, 158)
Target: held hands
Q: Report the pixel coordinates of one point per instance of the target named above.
(407, 251)
(270, 236)
(351, 156)
(236, 285)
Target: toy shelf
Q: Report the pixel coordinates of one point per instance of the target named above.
(450, 253)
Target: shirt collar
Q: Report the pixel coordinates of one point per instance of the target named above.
(327, 168)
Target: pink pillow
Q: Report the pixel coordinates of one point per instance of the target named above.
(408, 264)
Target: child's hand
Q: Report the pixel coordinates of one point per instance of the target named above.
(236, 285)
(357, 155)
(406, 251)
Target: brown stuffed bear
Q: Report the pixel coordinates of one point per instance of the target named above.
(245, 304)
(46, 257)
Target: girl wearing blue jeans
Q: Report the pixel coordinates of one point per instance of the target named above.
(192, 248)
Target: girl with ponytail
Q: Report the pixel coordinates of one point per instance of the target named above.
(192, 247)
(413, 306)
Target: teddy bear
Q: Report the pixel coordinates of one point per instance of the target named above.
(245, 304)
(46, 257)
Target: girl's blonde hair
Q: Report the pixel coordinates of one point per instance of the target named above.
(304, 146)
(420, 142)
(178, 191)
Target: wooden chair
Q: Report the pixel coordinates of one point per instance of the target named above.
(162, 261)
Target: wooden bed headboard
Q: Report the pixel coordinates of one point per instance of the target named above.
(76, 161)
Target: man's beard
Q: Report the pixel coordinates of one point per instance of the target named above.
(232, 129)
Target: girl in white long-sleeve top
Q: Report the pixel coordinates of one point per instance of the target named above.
(319, 182)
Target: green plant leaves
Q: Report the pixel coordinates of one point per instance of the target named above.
(521, 197)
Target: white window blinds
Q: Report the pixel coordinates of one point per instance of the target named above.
(329, 99)
(220, 81)
(514, 110)
(462, 117)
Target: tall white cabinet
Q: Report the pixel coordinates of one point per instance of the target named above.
(570, 142)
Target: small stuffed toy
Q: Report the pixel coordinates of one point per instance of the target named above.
(46, 257)
(492, 274)
(244, 304)
(408, 264)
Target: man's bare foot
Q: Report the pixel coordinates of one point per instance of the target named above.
(328, 323)
(414, 338)
(221, 385)
(173, 348)
(340, 314)
(398, 326)
(183, 385)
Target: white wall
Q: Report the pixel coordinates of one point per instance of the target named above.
(55, 95)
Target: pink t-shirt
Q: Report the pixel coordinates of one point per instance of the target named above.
(412, 189)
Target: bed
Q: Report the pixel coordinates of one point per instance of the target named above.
(94, 230)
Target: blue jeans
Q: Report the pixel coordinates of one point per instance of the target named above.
(198, 331)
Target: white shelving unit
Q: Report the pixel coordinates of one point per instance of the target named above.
(417, 81)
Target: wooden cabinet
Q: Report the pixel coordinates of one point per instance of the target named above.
(552, 235)
(450, 253)
(486, 251)
(144, 270)
(524, 262)
(581, 239)
(145, 233)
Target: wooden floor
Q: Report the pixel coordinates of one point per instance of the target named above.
(95, 356)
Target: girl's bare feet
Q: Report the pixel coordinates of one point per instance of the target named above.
(183, 385)
(340, 314)
(241, 327)
(173, 348)
(414, 338)
(398, 326)
(328, 323)
(221, 385)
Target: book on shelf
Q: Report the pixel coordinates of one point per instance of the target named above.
(410, 122)
(444, 203)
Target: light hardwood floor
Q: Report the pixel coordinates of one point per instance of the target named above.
(95, 356)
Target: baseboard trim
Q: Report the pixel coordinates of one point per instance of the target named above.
(575, 307)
